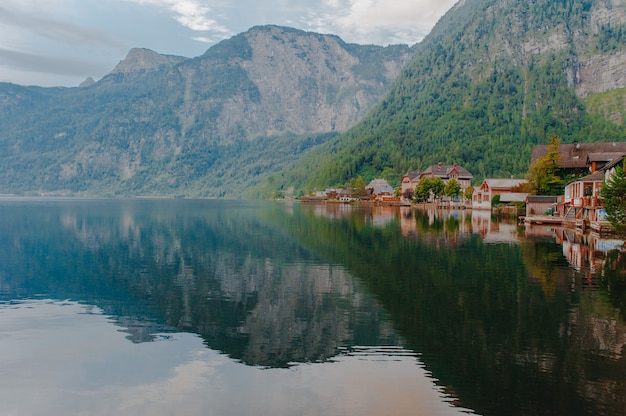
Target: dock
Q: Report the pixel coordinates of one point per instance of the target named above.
(544, 219)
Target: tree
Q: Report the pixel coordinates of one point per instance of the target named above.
(469, 192)
(391, 176)
(542, 175)
(437, 187)
(614, 198)
(428, 187)
(357, 187)
(452, 188)
(422, 191)
(408, 194)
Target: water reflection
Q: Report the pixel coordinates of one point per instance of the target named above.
(511, 328)
(590, 256)
(423, 310)
(217, 271)
(451, 225)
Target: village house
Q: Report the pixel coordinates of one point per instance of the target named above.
(541, 204)
(344, 195)
(444, 172)
(331, 193)
(583, 158)
(507, 189)
(448, 172)
(381, 191)
(594, 162)
(582, 202)
(409, 182)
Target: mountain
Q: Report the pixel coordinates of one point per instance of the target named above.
(491, 80)
(209, 126)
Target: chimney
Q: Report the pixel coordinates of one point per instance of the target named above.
(439, 164)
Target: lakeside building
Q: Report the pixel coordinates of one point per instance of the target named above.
(541, 204)
(583, 158)
(380, 191)
(507, 189)
(411, 179)
(581, 203)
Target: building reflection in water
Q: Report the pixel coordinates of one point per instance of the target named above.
(586, 253)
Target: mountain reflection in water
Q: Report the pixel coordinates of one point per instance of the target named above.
(500, 319)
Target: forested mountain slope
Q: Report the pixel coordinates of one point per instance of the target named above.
(210, 126)
(492, 79)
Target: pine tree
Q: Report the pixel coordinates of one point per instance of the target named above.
(614, 198)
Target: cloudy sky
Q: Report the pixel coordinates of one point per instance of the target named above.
(62, 42)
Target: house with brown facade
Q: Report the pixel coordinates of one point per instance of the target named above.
(594, 163)
(444, 172)
(582, 201)
(507, 189)
(409, 182)
(541, 204)
(448, 172)
(583, 158)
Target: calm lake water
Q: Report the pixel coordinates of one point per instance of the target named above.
(167, 307)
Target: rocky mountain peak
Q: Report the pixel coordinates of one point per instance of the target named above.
(145, 60)
(88, 82)
(211, 125)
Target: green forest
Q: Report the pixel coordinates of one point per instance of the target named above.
(472, 96)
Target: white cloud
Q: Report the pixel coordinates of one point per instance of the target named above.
(377, 21)
(192, 14)
(99, 33)
(204, 39)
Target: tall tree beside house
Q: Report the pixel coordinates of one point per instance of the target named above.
(614, 198)
(408, 194)
(357, 187)
(427, 187)
(452, 188)
(469, 192)
(542, 174)
(422, 190)
(437, 187)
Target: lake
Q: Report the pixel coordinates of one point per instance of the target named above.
(167, 307)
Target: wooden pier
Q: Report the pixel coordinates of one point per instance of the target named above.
(544, 219)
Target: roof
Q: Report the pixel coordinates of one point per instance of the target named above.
(513, 197)
(605, 157)
(380, 186)
(575, 155)
(504, 183)
(343, 192)
(542, 199)
(443, 171)
(412, 175)
(597, 176)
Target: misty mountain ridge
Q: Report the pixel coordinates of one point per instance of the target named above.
(209, 126)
